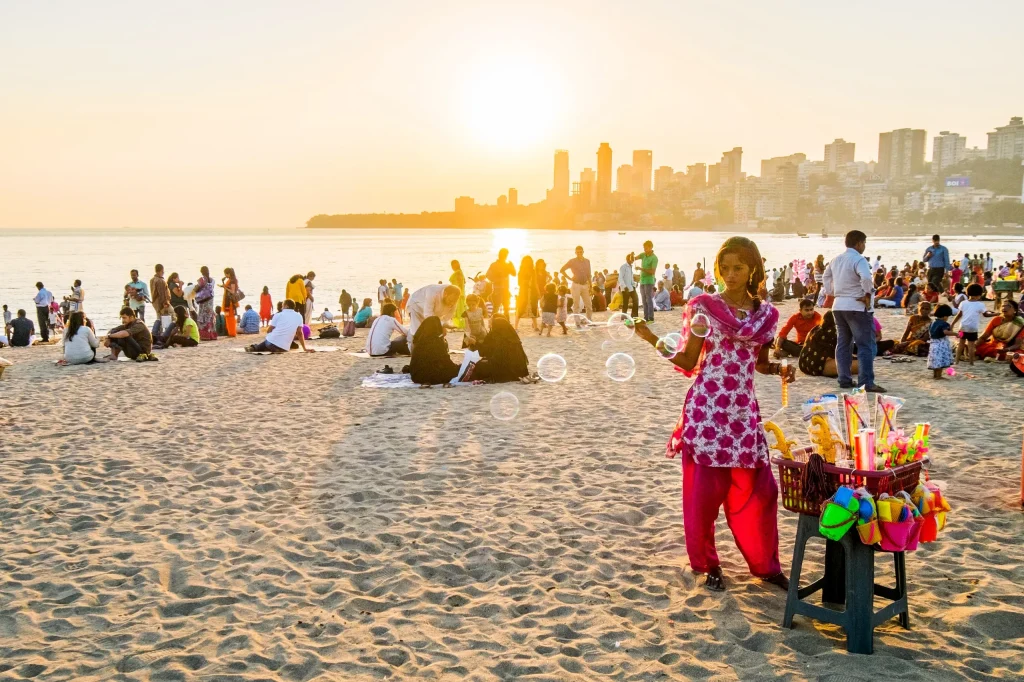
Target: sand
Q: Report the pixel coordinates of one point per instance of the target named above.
(216, 516)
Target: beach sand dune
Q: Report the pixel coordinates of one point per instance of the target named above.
(217, 516)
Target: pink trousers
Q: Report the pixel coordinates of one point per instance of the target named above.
(751, 504)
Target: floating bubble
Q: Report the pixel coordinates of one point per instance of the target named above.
(609, 346)
(669, 345)
(551, 367)
(620, 367)
(504, 406)
(621, 327)
(700, 325)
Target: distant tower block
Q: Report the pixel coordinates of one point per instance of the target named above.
(513, 196)
(604, 174)
(642, 166)
(560, 190)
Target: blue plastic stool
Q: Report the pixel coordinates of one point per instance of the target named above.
(849, 579)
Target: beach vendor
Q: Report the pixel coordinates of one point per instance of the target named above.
(433, 300)
(719, 436)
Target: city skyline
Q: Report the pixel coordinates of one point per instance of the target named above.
(257, 114)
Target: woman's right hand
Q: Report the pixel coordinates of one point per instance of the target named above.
(644, 332)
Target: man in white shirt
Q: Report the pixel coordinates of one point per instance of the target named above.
(285, 327)
(627, 286)
(848, 278)
(43, 299)
(379, 342)
(878, 264)
(429, 301)
(382, 291)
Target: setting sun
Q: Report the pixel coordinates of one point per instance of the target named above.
(510, 103)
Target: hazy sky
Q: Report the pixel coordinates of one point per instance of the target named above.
(265, 113)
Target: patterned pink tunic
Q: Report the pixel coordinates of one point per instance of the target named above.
(720, 422)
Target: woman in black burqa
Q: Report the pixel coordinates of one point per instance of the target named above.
(430, 363)
(502, 357)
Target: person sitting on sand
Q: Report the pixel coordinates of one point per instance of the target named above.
(80, 343)
(818, 356)
(475, 326)
(22, 332)
(915, 336)
(803, 322)
(184, 332)
(892, 297)
(910, 300)
(662, 299)
(675, 296)
(379, 342)
(285, 328)
(222, 326)
(364, 316)
(430, 363)
(250, 322)
(502, 358)
(1002, 335)
(131, 337)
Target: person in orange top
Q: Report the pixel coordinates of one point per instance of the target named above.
(266, 307)
(803, 322)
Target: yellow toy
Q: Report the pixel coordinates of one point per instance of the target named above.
(821, 437)
(783, 446)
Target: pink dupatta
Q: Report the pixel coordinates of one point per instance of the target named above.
(757, 328)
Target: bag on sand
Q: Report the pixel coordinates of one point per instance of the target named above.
(348, 326)
(330, 332)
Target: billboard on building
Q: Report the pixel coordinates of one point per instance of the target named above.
(958, 181)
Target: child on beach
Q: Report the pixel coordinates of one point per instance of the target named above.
(476, 330)
(969, 317)
(222, 325)
(562, 315)
(266, 307)
(940, 353)
(548, 309)
(719, 435)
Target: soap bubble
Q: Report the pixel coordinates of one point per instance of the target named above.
(620, 367)
(700, 325)
(621, 327)
(551, 367)
(669, 345)
(504, 406)
(609, 346)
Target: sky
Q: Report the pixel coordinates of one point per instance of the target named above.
(262, 114)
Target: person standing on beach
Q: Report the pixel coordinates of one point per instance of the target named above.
(648, 272)
(580, 284)
(136, 295)
(161, 295)
(699, 275)
(229, 302)
(718, 436)
(526, 301)
(433, 300)
(307, 312)
(937, 258)
(498, 274)
(75, 300)
(847, 278)
(627, 286)
(295, 291)
(457, 279)
(206, 317)
(43, 299)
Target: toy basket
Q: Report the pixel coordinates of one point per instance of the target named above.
(892, 481)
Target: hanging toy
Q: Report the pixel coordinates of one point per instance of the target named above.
(781, 445)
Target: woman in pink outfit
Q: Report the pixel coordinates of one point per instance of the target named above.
(719, 435)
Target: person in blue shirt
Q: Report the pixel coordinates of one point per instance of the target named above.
(363, 317)
(937, 258)
(250, 321)
(895, 297)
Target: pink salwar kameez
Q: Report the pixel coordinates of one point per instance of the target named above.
(723, 447)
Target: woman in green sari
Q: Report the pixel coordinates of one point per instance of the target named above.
(459, 280)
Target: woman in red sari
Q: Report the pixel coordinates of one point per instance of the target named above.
(1002, 335)
(719, 435)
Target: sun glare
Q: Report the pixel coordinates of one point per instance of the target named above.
(509, 103)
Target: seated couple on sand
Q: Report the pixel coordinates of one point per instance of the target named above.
(502, 358)
(284, 332)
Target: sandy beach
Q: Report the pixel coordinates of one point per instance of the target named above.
(219, 516)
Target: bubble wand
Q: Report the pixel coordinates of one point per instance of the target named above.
(784, 374)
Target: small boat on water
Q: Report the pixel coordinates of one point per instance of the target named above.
(802, 235)
(622, 233)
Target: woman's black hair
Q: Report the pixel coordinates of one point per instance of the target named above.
(975, 290)
(1016, 308)
(180, 313)
(750, 256)
(911, 290)
(75, 322)
(943, 311)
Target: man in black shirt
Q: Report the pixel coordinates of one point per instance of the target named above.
(22, 330)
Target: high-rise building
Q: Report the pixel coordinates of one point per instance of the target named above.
(697, 176)
(769, 167)
(947, 150)
(787, 189)
(513, 196)
(901, 153)
(502, 201)
(588, 187)
(731, 166)
(714, 175)
(1007, 142)
(464, 204)
(662, 178)
(624, 179)
(560, 190)
(838, 153)
(604, 174)
(642, 163)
